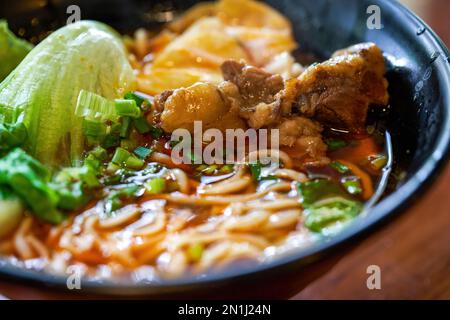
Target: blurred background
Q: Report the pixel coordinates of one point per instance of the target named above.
(435, 13)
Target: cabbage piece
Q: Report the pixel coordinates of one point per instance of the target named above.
(11, 210)
(42, 91)
(12, 50)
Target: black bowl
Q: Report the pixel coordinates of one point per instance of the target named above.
(419, 121)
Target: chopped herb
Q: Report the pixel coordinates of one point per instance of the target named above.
(112, 139)
(127, 108)
(210, 169)
(125, 159)
(255, 169)
(156, 132)
(315, 190)
(95, 131)
(142, 125)
(143, 152)
(140, 99)
(120, 156)
(155, 185)
(99, 153)
(125, 127)
(352, 186)
(128, 144)
(115, 198)
(339, 167)
(327, 213)
(227, 168)
(71, 195)
(132, 96)
(94, 107)
(335, 144)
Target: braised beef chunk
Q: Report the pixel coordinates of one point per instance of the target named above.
(304, 139)
(261, 94)
(254, 84)
(339, 91)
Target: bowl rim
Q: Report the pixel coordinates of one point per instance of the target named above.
(399, 200)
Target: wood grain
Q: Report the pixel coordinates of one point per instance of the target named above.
(412, 251)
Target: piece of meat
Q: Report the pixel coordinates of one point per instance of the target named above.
(203, 102)
(339, 91)
(259, 92)
(255, 85)
(303, 139)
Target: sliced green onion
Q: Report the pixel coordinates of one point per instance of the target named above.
(127, 108)
(92, 106)
(112, 168)
(255, 169)
(89, 176)
(141, 125)
(99, 153)
(124, 158)
(95, 131)
(120, 156)
(134, 163)
(143, 152)
(132, 96)
(128, 144)
(201, 167)
(335, 144)
(125, 127)
(327, 213)
(92, 162)
(210, 169)
(156, 132)
(352, 186)
(71, 196)
(156, 185)
(227, 168)
(112, 139)
(339, 167)
(114, 199)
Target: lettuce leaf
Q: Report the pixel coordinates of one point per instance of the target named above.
(42, 91)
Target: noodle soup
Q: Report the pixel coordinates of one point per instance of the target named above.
(124, 207)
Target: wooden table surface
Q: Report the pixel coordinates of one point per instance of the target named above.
(412, 251)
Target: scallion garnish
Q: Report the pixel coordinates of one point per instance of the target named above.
(339, 167)
(127, 108)
(335, 144)
(352, 186)
(120, 156)
(142, 152)
(156, 132)
(92, 106)
(255, 169)
(155, 185)
(124, 158)
(125, 127)
(141, 125)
